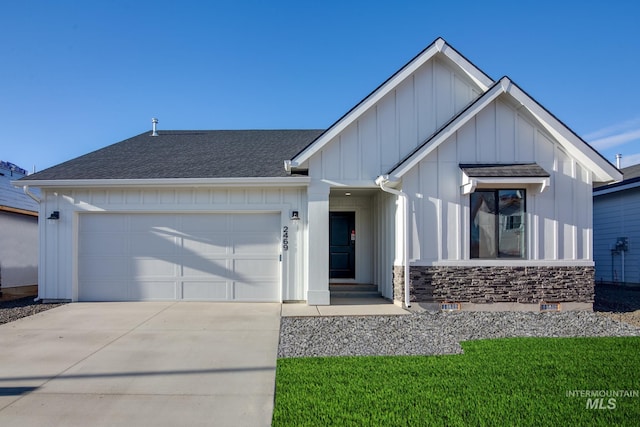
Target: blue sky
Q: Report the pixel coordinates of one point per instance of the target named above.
(76, 76)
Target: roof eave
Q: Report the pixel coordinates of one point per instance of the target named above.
(301, 181)
(601, 191)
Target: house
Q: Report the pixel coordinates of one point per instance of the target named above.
(18, 231)
(616, 229)
(461, 183)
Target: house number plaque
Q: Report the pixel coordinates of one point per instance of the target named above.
(285, 238)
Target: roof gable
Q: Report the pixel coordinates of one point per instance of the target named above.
(602, 169)
(439, 46)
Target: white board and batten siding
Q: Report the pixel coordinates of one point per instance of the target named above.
(397, 124)
(174, 244)
(616, 215)
(559, 220)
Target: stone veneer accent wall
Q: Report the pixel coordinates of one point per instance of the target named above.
(497, 284)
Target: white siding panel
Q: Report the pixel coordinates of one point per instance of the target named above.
(431, 226)
(370, 146)
(425, 101)
(526, 140)
(331, 159)
(411, 186)
(201, 196)
(486, 135)
(448, 153)
(220, 196)
(406, 117)
(238, 197)
(466, 142)
(461, 93)
(443, 92)
(255, 196)
(349, 160)
(389, 150)
(505, 134)
(449, 190)
(183, 197)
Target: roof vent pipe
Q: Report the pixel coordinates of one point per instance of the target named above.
(618, 160)
(154, 122)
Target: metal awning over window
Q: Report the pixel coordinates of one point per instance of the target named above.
(529, 175)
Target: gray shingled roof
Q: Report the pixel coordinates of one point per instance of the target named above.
(504, 170)
(187, 154)
(630, 174)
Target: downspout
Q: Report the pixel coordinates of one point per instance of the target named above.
(30, 194)
(381, 181)
(37, 200)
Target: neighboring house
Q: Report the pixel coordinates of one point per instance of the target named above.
(18, 231)
(466, 182)
(616, 229)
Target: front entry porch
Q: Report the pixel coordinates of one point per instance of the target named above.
(351, 242)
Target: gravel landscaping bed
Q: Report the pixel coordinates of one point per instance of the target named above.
(432, 333)
(617, 313)
(23, 307)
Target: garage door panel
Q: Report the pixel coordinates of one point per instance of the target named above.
(199, 223)
(256, 291)
(104, 290)
(255, 243)
(255, 223)
(166, 222)
(152, 244)
(206, 243)
(255, 268)
(103, 267)
(149, 267)
(214, 290)
(221, 256)
(102, 223)
(202, 267)
(111, 244)
(153, 289)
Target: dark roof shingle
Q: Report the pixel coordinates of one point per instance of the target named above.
(187, 154)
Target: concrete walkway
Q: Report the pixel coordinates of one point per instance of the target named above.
(140, 364)
(344, 307)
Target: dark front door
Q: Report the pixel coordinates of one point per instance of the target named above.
(342, 245)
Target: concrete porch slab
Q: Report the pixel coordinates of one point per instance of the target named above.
(345, 307)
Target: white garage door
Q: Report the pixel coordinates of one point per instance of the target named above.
(218, 257)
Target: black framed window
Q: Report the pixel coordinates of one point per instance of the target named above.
(498, 228)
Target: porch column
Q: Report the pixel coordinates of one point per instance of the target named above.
(318, 244)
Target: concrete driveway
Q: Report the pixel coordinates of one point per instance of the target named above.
(140, 364)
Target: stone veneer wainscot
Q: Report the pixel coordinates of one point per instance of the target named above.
(484, 285)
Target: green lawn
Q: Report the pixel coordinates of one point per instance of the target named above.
(519, 381)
